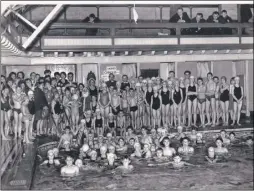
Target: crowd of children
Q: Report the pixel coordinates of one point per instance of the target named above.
(47, 104)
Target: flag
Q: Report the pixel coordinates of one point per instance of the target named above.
(135, 15)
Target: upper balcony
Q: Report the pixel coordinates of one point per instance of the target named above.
(67, 33)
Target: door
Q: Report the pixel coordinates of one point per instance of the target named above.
(149, 73)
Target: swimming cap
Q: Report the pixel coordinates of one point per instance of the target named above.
(179, 127)
(30, 92)
(50, 152)
(144, 81)
(97, 110)
(153, 78)
(85, 147)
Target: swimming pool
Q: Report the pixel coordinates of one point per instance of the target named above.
(236, 173)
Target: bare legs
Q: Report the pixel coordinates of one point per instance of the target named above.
(4, 123)
(26, 136)
(171, 108)
(165, 113)
(237, 112)
(17, 124)
(184, 104)
(104, 113)
(217, 108)
(190, 105)
(212, 104)
(177, 114)
(201, 108)
(225, 112)
(148, 115)
(156, 117)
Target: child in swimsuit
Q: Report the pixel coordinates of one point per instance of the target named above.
(183, 88)
(177, 96)
(146, 152)
(111, 124)
(57, 110)
(192, 102)
(115, 102)
(66, 139)
(165, 95)
(167, 150)
(211, 158)
(141, 109)
(121, 123)
(224, 100)
(99, 123)
(186, 149)
(238, 101)
(210, 100)
(70, 170)
(133, 107)
(231, 99)
(94, 104)
(217, 100)
(26, 118)
(156, 107)
(74, 105)
(104, 101)
(124, 102)
(148, 97)
(5, 114)
(201, 91)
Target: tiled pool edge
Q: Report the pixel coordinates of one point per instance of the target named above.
(227, 130)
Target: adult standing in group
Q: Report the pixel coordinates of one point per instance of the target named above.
(40, 101)
(111, 81)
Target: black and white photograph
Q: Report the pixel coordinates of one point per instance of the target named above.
(126, 95)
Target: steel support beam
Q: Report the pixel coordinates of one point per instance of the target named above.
(44, 23)
(24, 19)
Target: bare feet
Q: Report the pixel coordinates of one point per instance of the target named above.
(239, 124)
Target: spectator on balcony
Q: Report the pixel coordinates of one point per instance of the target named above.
(246, 13)
(249, 30)
(224, 18)
(214, 18)
(91, 19)
(198, 19)
(180, 17)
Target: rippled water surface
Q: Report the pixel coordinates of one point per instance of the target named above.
(235, 173)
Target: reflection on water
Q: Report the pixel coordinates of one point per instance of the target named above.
(236, 172)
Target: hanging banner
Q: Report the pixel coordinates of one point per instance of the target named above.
(107, 69)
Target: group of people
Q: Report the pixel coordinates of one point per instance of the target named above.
(160, 148)
(182, 17)
(46, 104)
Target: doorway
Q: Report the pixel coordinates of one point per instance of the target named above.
(149, 73)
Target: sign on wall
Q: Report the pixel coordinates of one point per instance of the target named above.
(107, 69)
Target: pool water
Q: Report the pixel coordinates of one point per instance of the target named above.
(234, 173)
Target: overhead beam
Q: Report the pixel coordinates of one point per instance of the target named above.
(44, 23)
(24, 19)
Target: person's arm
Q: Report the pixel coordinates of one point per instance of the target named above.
(172, 96)
(151, 102)
(103, 125)
(60, 142)
(53, 103)
(181, 93)
(160, 164)
(189, 164)
(241, 94)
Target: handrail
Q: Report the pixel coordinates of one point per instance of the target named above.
(113, 26)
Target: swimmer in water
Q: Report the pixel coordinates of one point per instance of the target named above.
(70, 170)
(200, 139)
(211, 158)
(179, 135)
(185, 149)
(66, 139)
(79, 163)
(126, 167)
(193, 135)
(220, 150)
(51, 160)
(111, 156)
(223, 135)
(104, 100)
(177, 163)
(138, 152)
(167, 150)
(121, 148)
(159, 156)
(103, 152)
(146, 152)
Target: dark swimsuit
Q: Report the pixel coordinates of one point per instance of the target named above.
(156, 103)
(237, 93)
(177, 97)
(134, 108)
(184, 94)
(58, 109)
(94, 108)
(224, 96)
(6, 105)
(149, 97)
(192, 89)
(89, 123)
(93, 92)
(98, 123)
(165, 97)
(111, 124)
(17, 110)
